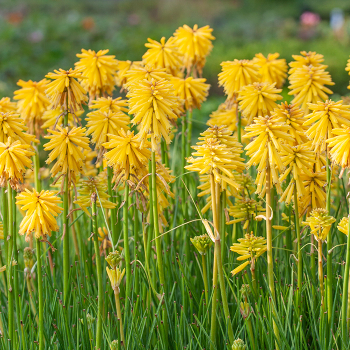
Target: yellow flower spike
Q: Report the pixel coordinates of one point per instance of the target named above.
(153, 104)
(315, 194)
(139, 73)
(249, 247)
(246, 184)
(264, 149)
(272, 69)
(298, 160)
(115, 276)
(67, 147)
(32, 102)
(127, 153)
(14, 159)
(258, 99)
(163, 54)
(307, 84)
(53, 117)
(225, 115)
(64, 85)
(340, 147)
(245, 209)
(306, 59)
(92, 185)
(41, 209)
(225, 137)
(122, 69)
(99, 70)
(320, 223)
(237, 74)
(110, 104)
(194, 45)
(11, 125)
(324, 117)
(190, 90)
(215, 158)
(343, 225)
(101, 124)
(6, 106)
(293, 116)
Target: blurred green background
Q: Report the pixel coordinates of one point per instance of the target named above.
(39, 36)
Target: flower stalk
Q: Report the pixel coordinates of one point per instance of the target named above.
(98, 272)
(40, 294)
(345, 296)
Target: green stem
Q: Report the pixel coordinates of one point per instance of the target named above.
(15, 272)
(239, 123)
(9, 267)
(114, 210)
(249, 326)
(213, 325)
(189, 133)
(219, 260)
(205, 280)
(300, 258)
(41, 296)
(344, 306)
(4, 212)
(329, 280)
(66, 241)
(158, 241)
(269, 252)
(136, 243)
(98, 272)
(126, 241)
(36, 161)
(119, 315)
(223, 226)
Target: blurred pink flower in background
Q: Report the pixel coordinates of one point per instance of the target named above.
(310, 19)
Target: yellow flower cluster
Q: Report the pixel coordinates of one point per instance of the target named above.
(65, 91)
(99, 70)
(249, 248)
(264, 150)
(67, 145)
(320, 222)
(41, 209)
(258, 99)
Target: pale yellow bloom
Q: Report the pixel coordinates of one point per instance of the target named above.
(99, 70)
(64, 88)
(272, 69)
(320, 223)
(41, 209)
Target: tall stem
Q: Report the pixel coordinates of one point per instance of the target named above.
(300, 261)
(223, 226)
(189, 133)
(36, 161)
(269, 251)
(119, 315)
(320, 275)
(158, 241)
(344, 325)
(219, 260)
(329, 280)
(112, 199)
(184, 193)
(66, 241)
(126, 242)
(4, 211)
(98, 272)
(9, 269)
(205, 279)
(41, 296)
